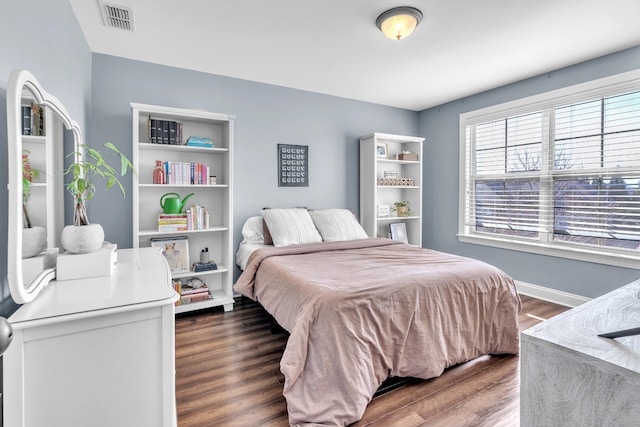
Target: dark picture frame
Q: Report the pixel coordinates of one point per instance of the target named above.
(293, 165)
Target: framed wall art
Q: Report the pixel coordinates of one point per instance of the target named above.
(293, 165)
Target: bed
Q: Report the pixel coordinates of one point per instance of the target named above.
(360, 310)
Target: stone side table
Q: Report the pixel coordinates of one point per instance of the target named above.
(571, 377)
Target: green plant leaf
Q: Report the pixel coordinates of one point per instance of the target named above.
(89, 163)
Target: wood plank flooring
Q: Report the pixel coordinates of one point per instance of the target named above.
(228, 374)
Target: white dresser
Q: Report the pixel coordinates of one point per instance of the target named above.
(96, 352)
(572, 377)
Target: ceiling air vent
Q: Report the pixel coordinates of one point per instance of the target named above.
(115, 16)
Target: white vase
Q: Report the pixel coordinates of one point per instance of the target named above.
(82, 239)
(34, 241)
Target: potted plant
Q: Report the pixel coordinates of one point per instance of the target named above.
(402, 208)
(89, 164)
(34, 239)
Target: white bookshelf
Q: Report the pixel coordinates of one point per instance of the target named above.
(373, 195)
(45, 205)
(217, 198)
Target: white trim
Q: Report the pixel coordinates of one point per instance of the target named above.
(617, 259)
(570, 94)
(552, 295)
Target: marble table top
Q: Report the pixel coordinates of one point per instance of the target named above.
(578, 329)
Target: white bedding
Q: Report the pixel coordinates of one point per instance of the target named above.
(296, 226)
(245, 250)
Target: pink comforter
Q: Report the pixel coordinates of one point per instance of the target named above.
(361, 311)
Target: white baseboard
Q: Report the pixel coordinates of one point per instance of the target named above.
(551, 295)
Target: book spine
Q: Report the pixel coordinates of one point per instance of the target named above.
(172, 132)
(151, 129)
(186, 290)
(26, 120)
(165, 131)
(191, 299)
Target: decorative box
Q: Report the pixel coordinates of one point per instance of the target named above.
(395, 181)
(407, 156)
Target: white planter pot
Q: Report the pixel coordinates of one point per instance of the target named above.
(34, 241)
(82, 239)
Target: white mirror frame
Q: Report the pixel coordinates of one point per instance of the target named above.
(19, 80)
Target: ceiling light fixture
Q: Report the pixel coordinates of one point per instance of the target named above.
(399, 22)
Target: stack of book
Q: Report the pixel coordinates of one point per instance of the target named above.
(194, 218)
(184, 173)
(33, 119)
(190, 294)
(172, 222)
(197, 218)
(204, 266)
(164, 131)
(200, 141)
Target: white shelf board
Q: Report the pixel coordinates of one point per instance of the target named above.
(199, 186)
(213, 229)
(166, 147)
(402, 162)
(219, 298)
(221, 269)
(397, 218)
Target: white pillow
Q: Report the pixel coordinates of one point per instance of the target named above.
(253, 231)
(337, 224)
(290, 226)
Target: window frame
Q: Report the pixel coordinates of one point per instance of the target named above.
(608, 86)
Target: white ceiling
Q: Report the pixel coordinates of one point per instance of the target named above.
(462, 47)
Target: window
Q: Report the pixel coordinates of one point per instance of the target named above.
(558, 174)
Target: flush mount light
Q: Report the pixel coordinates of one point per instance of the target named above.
(399, 22)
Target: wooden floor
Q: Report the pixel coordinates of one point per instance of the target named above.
(227, 374)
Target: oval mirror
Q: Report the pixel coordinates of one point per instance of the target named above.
(35, 135)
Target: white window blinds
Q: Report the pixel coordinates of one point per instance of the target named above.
(567, 174)
(595, 186)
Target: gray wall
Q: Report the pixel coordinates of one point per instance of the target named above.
(41, 36)
(266, 115)
(440, 127)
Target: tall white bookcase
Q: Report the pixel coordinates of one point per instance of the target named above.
(217, 198)
(379, 191)
(45, 154)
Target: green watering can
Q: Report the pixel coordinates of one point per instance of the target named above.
(171, 203)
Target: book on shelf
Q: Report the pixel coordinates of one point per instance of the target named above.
(204, 266)
(172, 222)
(26, 120)
(177, 285)
(188, 299)
(195, 217)
(194, 286)
(191, 290)
(33, 119)
(200, 141)
(37, 119)
(185, 173)
(164, 131)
